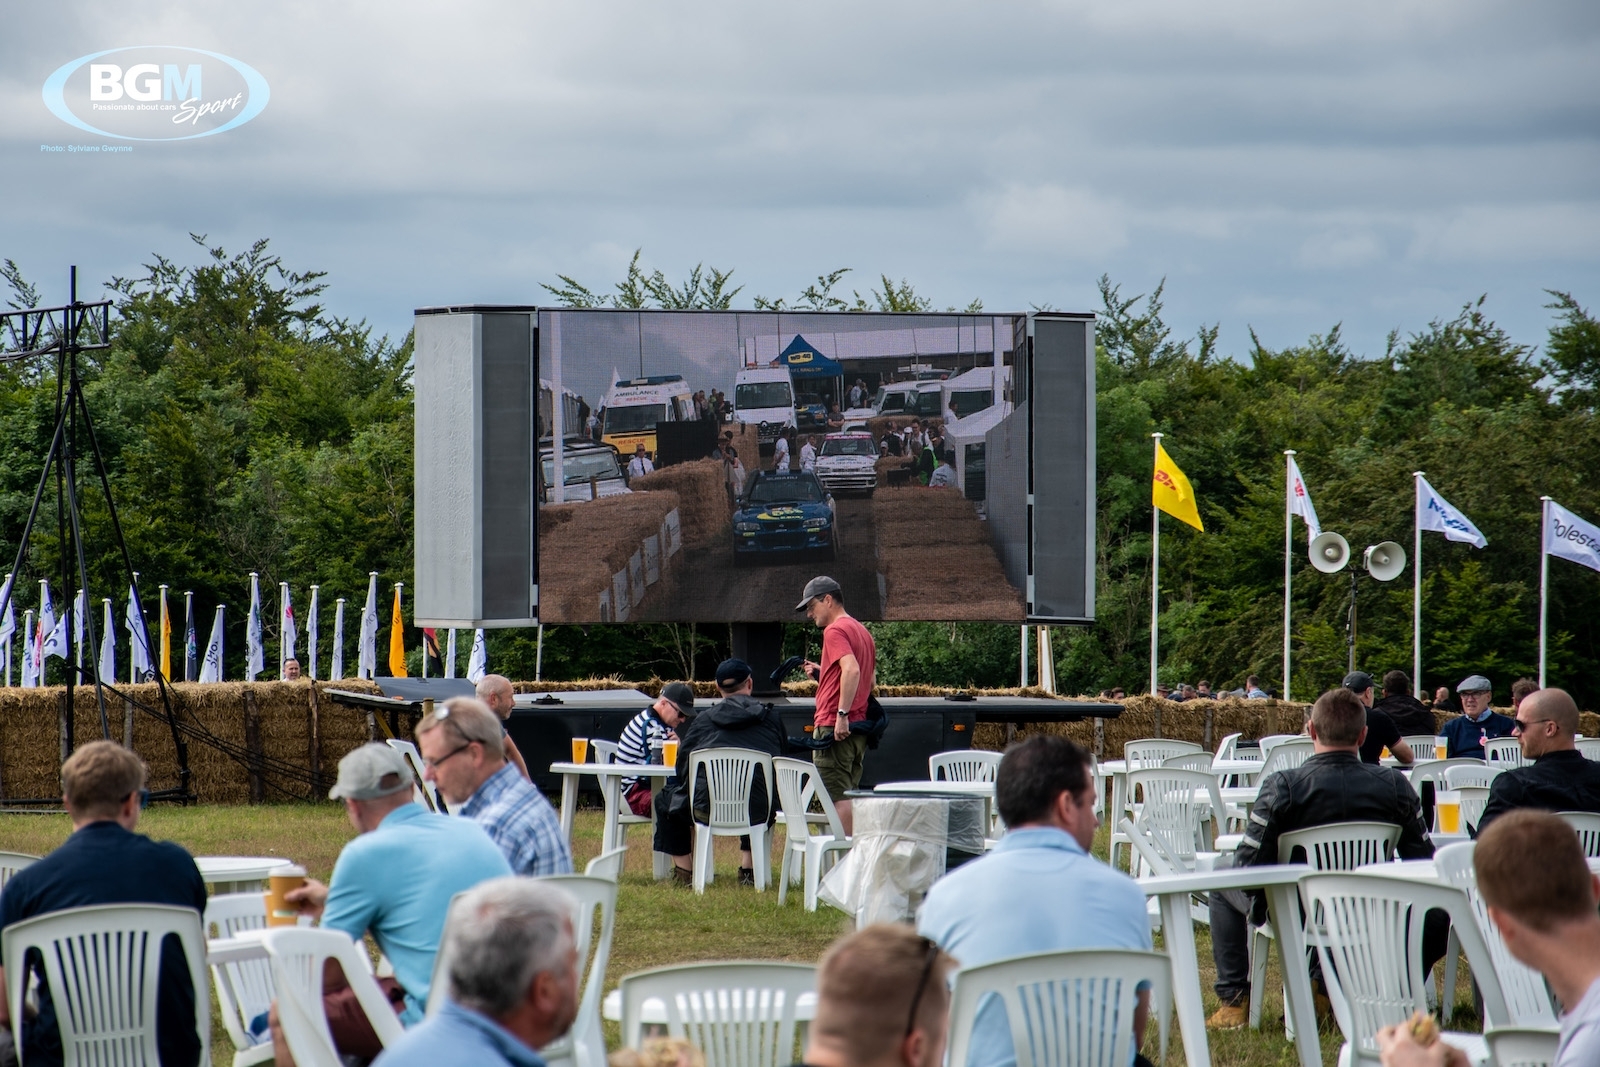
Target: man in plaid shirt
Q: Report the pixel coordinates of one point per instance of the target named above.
(463, 754)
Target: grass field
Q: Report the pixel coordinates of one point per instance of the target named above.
(657, 924)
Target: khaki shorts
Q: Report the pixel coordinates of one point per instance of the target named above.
(839, 765)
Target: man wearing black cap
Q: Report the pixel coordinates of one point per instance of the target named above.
(736, 721)
(1382, 733)
(656, 723)
(844, 683)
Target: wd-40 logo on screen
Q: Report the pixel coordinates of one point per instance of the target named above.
(156, 93)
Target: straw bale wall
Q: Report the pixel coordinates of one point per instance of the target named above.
(936, 559)
(702, 497)
(583, 545)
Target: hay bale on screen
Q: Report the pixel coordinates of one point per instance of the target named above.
(702, 497)
(937, 560)
(580, 557)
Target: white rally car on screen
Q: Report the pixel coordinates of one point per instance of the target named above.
(847, 463)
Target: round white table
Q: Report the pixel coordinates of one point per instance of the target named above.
(946, 788)
(610, 776)
(238, 874)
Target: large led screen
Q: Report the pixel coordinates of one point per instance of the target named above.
(703, 466)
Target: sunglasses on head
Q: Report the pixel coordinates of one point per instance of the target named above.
(922, 984)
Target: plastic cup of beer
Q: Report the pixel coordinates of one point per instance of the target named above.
(669, 753)
(1449, 805)
(580, 750)
(1441, 748)
(280, 880)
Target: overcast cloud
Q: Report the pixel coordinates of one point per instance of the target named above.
(1284, 166)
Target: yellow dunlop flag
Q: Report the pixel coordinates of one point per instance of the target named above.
(1170, 491)
(166, 638)
(397, 639)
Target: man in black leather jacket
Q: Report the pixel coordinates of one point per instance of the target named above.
(1332, 786)
(1555, 775)
(1409, 713)
(737, 721)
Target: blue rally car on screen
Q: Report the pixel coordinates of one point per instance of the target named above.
(783, 515)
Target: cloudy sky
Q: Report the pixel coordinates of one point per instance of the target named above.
(1284, 166)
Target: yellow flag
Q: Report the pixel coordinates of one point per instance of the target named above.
(397, 640)
(1171, 492)
(166, 638)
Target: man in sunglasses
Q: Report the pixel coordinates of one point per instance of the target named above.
(105, 862)
(1555, 775)
(883, 1000)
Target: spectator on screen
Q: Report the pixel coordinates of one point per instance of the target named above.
(463, 754)
(513, 980)
(105, 862)
(780, 451)
(808, 454)
(944, 476)
(1554, 775)
(883, 1000)
(495, 691)
(640, 464)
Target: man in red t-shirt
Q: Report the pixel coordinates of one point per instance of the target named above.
(844, 682)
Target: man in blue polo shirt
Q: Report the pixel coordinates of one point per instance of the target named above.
(394, 880)
(1477, 722)
(1039, 890)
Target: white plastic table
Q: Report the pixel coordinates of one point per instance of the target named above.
(966, 789)
(238, 874)
(1281, 881)
(1425, 870)
(610, 775)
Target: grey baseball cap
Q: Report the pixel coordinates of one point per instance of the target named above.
(1477, 683)
(1358, 681)
(374, 770)
(818, 586)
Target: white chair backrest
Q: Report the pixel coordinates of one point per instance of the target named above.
(1340, 846)
(1518, 1047)
(421, 791)
(604, 751)
(595, 901)
(1590, 747)
(1272, 741)
(12, 862)
(1150, 751)
(607, 865)
(1369, 939)
(1587, 823)
(1527, 998)
(1176, 802)
(798, 787)
(729, 774)
(738, 1014)
(103, 966)
(1227, 746)
(973, 765)
(1422, 746)
(1190, 761)
(1436, 771)
(1287, 755)
(297, 955)
(1469, 773)
(244, 989)
(1066, 1009)
(1474, 798)
(1506, 751)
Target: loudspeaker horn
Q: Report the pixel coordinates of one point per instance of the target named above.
(1329, 552)
(1385, 560)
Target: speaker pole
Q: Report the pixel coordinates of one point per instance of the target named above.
(1416, 585)
(1155, 575)
(1288, 558)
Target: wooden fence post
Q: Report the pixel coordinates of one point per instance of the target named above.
(314, 711)
(252, 744)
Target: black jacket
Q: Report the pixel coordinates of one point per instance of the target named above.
(1408, 714)
(1556, 781)
(734, 722)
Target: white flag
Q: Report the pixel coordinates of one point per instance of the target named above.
(143, 666)
(80, 617)
(52, 631)
(30, 662)
(255, 652)
(8, 626)
(311, 634)
(478, 663)
(108, 648)
(211, 666)
(336, 668)
(1572, 538)
(287, 622)
(1434, 512)
(367, 655)
(450, 654)
(1300, 499)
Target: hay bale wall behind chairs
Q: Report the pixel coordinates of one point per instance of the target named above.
(702, 497)
(583, 545)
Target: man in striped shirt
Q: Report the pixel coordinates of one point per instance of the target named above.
(658, 722)
(463, 754)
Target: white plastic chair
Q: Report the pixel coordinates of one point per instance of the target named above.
(243, 987)
(1526, 996)
(1369, 938)
(1422, 747)
(103, 966)
(1470, 773)
(1287, 755)
(1228, 746)
(1590, 747)
(1437, 771)
(1190, 761)
(1474, 798)
(12, 862)
(1515, 1046)
(1587, 824)
(604, 751)
(805, 849)
(1272, 741)
(729, 774)
(1506, 751)
(1150, 751)
(1065, 1009)
(1177, 804)
(584, 1045)
(297, 955)
(737, 1014)
(607, 865)
(421, 791)
(972, 765)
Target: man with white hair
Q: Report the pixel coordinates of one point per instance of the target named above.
(462, 754)
(513, 974)
(495, 690)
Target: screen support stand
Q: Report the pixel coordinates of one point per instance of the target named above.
(760, 644)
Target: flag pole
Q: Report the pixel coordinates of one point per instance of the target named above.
(283, 631)
(1155, 574)
(1544, 577)
(1416, 583)
(1288, 559)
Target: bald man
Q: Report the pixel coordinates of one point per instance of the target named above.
(1555, 776)
(495, 690)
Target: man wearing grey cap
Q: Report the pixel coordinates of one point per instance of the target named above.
(395, 880)
(1477, 722)
(844, 684)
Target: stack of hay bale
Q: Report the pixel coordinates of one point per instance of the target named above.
(937, 561)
